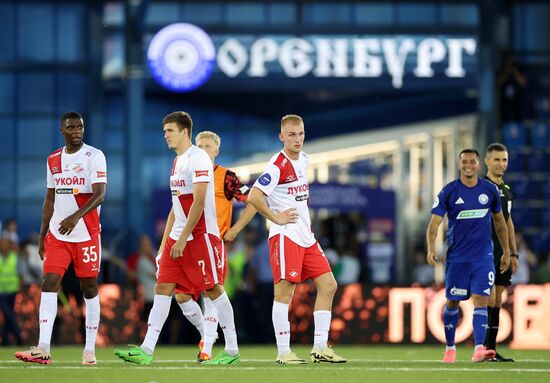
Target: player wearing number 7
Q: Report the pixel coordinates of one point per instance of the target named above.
(191, 258)
(70, 232)
(468, 202)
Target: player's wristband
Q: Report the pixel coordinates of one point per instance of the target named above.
(514, 255)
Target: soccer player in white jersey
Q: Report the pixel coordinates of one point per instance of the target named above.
(227, 187)
(70, 232)
(294, 252)
(191, 250)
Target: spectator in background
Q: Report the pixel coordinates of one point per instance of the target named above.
(512, 83)
(526, 260)
(10, 232)
(348, 267)
(145, 273)
(29, 253)
(10, 283)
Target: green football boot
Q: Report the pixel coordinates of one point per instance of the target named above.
(224, 358)
(134, 354)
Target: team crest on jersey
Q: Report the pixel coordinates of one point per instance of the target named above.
(483, 199)
(264, 179)
(78, 168)
(293, 274)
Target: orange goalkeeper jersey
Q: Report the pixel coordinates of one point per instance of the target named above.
(226, 187)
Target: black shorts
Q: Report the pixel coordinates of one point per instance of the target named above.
(502, 279)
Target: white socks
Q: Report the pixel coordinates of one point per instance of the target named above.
(321, 319)
(46, 317)
(193, 313)
(227, 323)
(281, 325)
(210, 325)
(92, 321)
(157, 317)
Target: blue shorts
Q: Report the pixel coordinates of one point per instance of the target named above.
(464, 279)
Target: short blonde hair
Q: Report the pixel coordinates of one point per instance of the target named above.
(291, 119)
(206, 134)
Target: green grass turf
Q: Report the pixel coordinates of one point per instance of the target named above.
(400, 364)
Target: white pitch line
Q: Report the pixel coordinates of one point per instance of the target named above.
(281, 368)
(273, 361)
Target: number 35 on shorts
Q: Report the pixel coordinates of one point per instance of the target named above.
(89, 254)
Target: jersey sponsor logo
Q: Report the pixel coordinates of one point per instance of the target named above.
(177, 183)
(459, 201)
(483, 199)
(67, 181)
(300, 198)
(283, 162)
(298, 189)
(458, 292)
(201, 173)
(55, 154)
(101, 174)
(472, 214)
(67, 191)
(264, 179)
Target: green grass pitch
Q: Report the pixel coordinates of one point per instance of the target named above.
(400, 364)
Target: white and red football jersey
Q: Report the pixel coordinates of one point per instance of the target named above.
(286, 186)
(72, 177)
(191, 167)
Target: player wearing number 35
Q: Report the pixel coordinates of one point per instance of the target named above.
(469, 203)
(70, 232)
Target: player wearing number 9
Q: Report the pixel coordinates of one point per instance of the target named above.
(469, 202)
(70, 232)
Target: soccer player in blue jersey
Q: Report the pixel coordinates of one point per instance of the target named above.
(468, 202)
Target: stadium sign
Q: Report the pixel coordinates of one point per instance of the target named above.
(181, 57)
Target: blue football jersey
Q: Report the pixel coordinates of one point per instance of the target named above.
(469, 210)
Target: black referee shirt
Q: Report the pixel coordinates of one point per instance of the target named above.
(506, 198)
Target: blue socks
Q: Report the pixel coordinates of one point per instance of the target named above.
(480, 325)
(450, 320)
